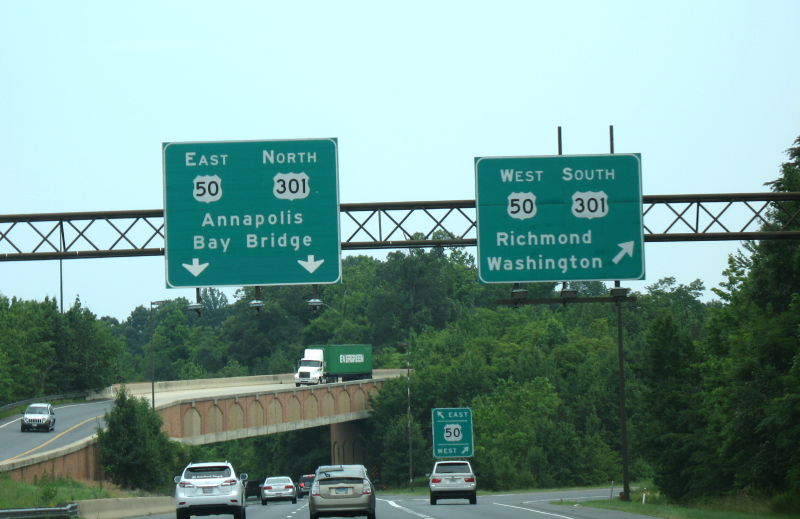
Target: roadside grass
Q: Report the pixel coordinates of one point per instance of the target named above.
(723, 508)
(655, 504)
(49, 492)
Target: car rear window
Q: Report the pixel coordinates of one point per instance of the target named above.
(452, 468)
(207, 472)
(341, 481)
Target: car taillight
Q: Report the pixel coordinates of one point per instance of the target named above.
(289, 486)
(436, 480)
(267, 487)
(366, 489)
(185, 484)
(315, 489)
(302, 485)
(228, 483)
(469, 479)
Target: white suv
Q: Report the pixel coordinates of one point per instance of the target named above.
(210, 489)
(452, 480)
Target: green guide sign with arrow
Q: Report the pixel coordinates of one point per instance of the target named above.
(251, 213)
(559, 218)
(452, 432)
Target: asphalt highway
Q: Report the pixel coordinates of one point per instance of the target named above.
(531, 505)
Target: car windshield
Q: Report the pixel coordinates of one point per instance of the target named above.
(310, 363)
(452, 468)
(36, 410)
(207, 472)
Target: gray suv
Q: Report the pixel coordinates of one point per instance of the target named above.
(452, 480)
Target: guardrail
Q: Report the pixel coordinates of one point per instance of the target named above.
(71, 510)
(46, 398)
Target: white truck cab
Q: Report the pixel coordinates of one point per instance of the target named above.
(311, 368)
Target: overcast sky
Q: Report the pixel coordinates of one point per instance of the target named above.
(707, 91)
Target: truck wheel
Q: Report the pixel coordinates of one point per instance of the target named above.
(297, 384)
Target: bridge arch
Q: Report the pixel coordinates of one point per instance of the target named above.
(275, 414)
(310, 407)
(255, 414)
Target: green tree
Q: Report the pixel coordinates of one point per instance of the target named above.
(133, 450)
(168, 346)
(88, 354)
(512, 427)
(29, 337)
(674, 425)
(753, 350)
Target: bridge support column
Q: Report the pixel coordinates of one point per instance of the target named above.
(346, 443)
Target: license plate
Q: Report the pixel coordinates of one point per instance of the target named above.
(341, 491)
(207, 490)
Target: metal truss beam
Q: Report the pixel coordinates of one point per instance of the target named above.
(399, 225)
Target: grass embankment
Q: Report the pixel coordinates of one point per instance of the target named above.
(729, 508)
(49, 492)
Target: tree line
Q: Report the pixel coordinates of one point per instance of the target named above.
(711, 387)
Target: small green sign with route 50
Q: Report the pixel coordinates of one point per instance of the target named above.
(452, 432)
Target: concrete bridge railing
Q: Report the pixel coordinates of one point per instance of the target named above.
(211, 419)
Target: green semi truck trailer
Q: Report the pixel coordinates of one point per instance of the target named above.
(325, 363)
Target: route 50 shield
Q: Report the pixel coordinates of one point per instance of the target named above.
(521, 206)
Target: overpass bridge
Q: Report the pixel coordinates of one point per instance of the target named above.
(205, 411)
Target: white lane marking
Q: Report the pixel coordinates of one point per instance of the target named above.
(406, 510)
(564, 499)
(534, 511)
(51, 440)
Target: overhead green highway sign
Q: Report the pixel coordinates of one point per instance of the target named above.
(452, 432)
(559, 218)
(251, 213)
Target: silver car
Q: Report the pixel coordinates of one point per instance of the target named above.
(278, 488)
(342, 490)
(452, 480)
(38, 417)
(210, 489)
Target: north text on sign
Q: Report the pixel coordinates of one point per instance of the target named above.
(280, 157)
